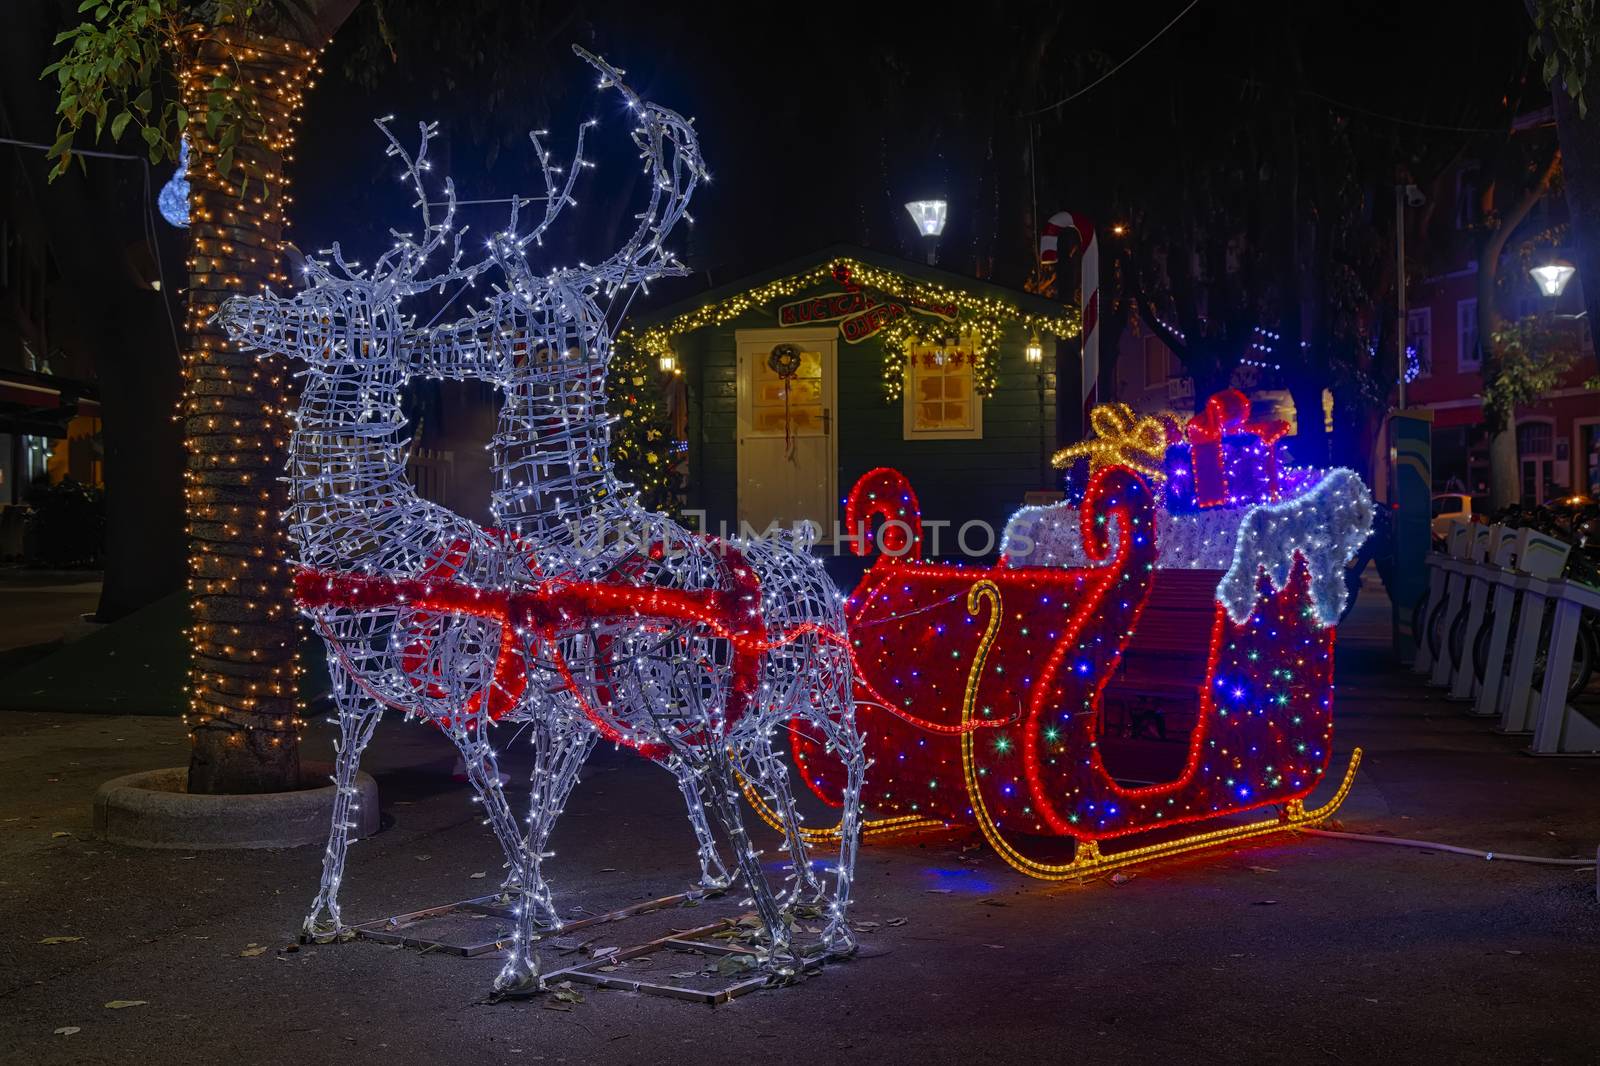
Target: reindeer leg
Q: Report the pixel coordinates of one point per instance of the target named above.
(357, 721)
(774, 775)
(559, 753)
(717, 781)
(713, 875)
(483, 770)
(845, 739)
(559, 750)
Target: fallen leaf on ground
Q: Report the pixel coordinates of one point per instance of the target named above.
(565, 993)
(58, 834)
(892, 922)
(60, 939)
(251, 951)
(1263, 870)
(941, 891)
(118, 1004)
(992, 902)
(68, 1030)
(1266, 903)
(424, 858)
(729, 965)
(480, 873)
(1121, 878)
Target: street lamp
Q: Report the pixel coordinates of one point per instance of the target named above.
(1552, 277)
(929, 216)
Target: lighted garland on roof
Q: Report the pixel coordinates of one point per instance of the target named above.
(982, 319)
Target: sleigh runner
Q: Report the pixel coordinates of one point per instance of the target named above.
(1140, 674)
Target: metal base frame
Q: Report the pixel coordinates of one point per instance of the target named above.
(392, 930)
(397, 930)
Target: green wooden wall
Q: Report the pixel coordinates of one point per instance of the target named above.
(955, 480)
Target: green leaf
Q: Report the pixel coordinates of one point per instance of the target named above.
(183, 119)
(143, 102)
(86, 5)
(225, 162)
(119, 124)
(1552, 64)
(62, 147)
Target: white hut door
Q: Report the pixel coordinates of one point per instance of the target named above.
(787, 456)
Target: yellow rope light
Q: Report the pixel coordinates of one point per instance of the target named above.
(1087, 858)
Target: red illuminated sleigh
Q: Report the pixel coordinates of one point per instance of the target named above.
(1114, 703)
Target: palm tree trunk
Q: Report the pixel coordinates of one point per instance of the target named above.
(244, 669)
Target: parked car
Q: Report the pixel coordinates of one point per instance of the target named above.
(1448, 505)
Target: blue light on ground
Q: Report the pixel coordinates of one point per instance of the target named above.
(959, 879)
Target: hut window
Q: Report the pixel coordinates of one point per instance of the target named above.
(800, 411)
(941, 400)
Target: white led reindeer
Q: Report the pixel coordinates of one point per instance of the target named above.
(696, 653)
(355, 515)
(354, 512)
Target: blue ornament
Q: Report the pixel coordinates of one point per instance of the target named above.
(173, 200)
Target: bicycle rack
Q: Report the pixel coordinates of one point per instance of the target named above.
(1540, 560)
(1502, 591)
(1478, 576)
(1560, 728)
(1447, 586)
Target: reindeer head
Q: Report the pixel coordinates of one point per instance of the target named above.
(345, 313)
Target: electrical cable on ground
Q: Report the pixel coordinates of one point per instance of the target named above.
(1496, 856)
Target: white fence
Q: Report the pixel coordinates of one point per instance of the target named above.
(1501, 628)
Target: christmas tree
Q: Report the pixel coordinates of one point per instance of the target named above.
(642, 444)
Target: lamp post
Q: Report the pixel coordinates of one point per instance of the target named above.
(1033, 352)
(929, 216)
(1552, 277)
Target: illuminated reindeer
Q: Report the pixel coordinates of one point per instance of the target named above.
(353, 511)
(355, 519)
(696, 653)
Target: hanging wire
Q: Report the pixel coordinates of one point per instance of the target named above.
(1132, 56)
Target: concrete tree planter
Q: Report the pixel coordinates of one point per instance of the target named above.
(153, 810)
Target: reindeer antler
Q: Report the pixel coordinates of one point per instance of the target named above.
(672, 182)
(400, 265)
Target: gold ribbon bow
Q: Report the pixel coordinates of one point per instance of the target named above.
(1121, 438)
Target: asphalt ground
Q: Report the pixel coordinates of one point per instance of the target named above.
(1293, 949)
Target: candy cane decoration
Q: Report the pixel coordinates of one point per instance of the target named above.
(1080, 224)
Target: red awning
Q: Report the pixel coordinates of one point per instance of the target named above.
(21, 388)
(1452, 417)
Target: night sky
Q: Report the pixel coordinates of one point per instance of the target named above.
(819, 124)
